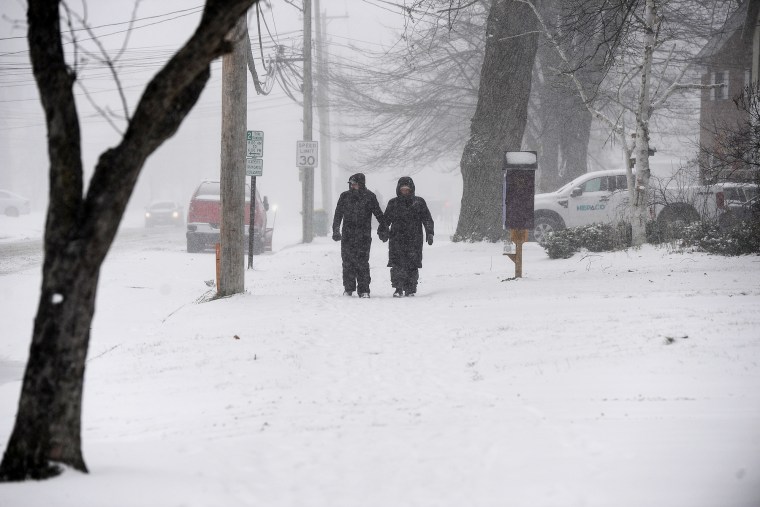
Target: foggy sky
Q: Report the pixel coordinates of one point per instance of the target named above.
(193, 154)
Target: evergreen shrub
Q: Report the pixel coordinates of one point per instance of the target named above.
(741, 239)
(705, 236)
(564, 243)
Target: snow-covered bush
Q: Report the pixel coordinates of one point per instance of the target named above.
(704, 236)
(560, 244)
(743, 238)
(594, 238)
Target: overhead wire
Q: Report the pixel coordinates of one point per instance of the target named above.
(136, 61)
(195, 9)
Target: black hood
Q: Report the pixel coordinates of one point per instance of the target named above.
(405, 181)
(358, 178)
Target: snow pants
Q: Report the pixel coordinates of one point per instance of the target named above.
(355, 268)
(405, 278)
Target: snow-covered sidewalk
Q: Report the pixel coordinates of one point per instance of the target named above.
(625, 379)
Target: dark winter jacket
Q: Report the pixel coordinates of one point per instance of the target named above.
(406, 216)
(355, 209)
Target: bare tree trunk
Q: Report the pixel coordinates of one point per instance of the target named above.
(548, 161)
(79, 231)
(641, 151)
(574, 137)
(547, 141)
(48, 421)
(500, 117)
(565, 125)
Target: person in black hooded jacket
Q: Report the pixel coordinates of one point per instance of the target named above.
(406, 215)
(355, 209)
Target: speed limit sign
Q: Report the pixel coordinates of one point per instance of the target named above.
(306, 153)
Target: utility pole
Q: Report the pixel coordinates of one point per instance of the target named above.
(323, 108)
(307, 173)
(232, 170)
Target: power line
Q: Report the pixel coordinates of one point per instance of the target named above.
(66, 43)
(194, 9)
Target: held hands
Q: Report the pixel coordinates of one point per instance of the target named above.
(429, 239)
(383, 235)
(337, 236)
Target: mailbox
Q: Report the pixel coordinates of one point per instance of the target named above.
(518, 189)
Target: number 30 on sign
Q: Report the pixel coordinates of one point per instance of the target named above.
(306, 153)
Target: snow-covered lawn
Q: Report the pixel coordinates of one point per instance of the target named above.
(615, 379)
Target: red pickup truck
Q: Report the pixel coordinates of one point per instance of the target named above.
(204, 217)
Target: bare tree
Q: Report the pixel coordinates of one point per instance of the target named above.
(427, 99)
(409, 107)
(559, 125)
(81, 227)
(500, 117)
(648, 48)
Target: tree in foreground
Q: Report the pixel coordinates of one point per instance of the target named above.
(81, 227)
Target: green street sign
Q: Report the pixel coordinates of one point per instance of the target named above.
(254, 144)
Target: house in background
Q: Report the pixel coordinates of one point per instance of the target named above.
(730, 58)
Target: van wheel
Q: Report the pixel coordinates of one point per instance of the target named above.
(543, 227)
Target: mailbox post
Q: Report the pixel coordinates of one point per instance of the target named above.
(519, 169)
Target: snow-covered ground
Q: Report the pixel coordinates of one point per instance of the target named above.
(616, 379)
(22, 228)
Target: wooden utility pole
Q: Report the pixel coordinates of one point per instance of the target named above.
(232, 171)
(323, 109)
(307, 173)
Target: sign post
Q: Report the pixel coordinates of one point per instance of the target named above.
(519, 187)
(254, 166)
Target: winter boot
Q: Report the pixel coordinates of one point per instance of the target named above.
(364, 294)
(398, 294)
(348, 293)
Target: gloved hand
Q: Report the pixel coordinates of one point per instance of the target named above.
(337, 236)
(383, 235)
(430, 239)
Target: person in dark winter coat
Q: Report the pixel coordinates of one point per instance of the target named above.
(355, 209)
(406, 216)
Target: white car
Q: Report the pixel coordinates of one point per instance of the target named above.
(602, 197)
(591, 198)
(12, 204)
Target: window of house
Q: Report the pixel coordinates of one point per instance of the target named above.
(719, 77)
